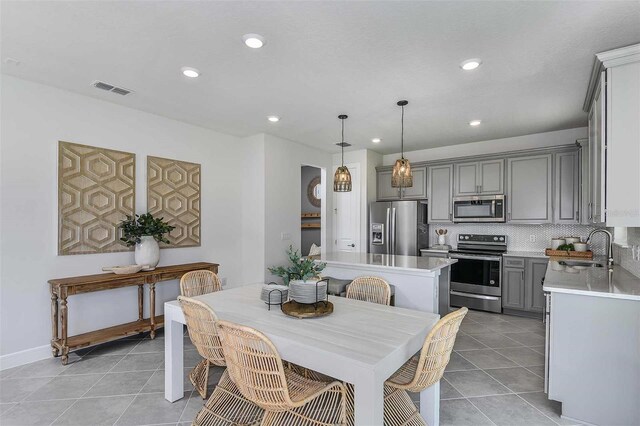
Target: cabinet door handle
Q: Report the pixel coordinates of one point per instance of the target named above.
(509, 216)
(522, 275)
(590, 211)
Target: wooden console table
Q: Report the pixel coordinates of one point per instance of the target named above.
(61, 288)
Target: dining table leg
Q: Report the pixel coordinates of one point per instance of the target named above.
(369, 400)
(173, 354)
(430, 404)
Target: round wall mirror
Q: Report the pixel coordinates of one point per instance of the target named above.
(314, 191)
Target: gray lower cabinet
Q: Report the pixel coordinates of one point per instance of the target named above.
(513, 288)
(529, 189)
(440, 193)
(567, 188)
(534, 296)
(522, 284)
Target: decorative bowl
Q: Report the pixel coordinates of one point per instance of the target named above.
(126, 269)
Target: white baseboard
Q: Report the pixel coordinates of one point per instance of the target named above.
(17, 359)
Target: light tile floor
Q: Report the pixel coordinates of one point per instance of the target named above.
(495, 377)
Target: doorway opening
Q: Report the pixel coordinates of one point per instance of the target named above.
(312, 193)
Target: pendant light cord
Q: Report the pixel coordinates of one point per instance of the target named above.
(402, 135)
(342, 145)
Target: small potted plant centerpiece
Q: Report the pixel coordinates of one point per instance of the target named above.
(145, 232)
(301, 276)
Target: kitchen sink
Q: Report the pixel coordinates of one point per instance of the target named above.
(580, 263)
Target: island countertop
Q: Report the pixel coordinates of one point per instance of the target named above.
(592, 281)
(386, 261)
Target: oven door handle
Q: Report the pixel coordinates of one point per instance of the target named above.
(474, 257)
(473, 296)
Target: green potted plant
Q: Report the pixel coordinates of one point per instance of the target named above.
(145, 232)
(301, 275)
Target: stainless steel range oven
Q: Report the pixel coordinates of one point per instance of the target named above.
(476, 279)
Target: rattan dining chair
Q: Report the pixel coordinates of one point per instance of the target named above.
(287, 397)
(197, 283)
(226, 406)
(420, 372)
(370, 289)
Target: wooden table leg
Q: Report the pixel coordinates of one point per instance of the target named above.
(152, 309)
(64, 326)
(140, 301)
(54, 322)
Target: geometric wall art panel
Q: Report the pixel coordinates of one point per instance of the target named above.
(96, 190)
(173, 192)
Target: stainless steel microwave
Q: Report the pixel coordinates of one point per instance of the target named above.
(479, 208)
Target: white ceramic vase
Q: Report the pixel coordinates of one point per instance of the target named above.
(442, 240)
(147, 252)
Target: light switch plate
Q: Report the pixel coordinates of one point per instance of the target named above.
(285, 236)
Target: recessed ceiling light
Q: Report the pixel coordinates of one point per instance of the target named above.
(470, 64)
(254, 41)
(376, 140)
(273, 118)
(475, 122)
(190, 72)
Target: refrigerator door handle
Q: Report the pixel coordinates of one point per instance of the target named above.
(388, 230)
(392, 241)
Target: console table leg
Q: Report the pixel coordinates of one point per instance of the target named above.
(140, 301)
(54, 322)
(152, 309)
(64, 327)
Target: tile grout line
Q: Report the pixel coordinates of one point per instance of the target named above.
(467, 399)
(537, 409)
(92, 386)
(136, 395)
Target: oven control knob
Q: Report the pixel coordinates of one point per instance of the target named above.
(466, 238)
(495, 238)
(501, 238)
(461, 237)
(492, 282)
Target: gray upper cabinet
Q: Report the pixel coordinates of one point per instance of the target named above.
(529, 189)
(419, 189)
(383, 187)
(479, 177)
(567, 188)
(440, 193)
(466, 178)
(596, 157)
(534, 295)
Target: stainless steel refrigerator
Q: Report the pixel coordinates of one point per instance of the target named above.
(398, 227)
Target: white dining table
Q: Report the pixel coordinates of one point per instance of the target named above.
(360, 343)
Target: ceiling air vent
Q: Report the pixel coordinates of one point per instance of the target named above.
(343, 144)
(110, 88)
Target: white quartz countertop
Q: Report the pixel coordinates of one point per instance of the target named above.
(534, 254)
(386, 261)
(591, 281)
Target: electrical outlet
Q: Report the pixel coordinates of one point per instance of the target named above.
(532, 238)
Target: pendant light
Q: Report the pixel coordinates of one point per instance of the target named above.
(401, 176)
(342, 178)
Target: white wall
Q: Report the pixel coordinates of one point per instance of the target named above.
(283, 160)
(367, 161)
(34, 118)
(536, 140)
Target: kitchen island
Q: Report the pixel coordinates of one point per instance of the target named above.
(421, 283)
(593, 341)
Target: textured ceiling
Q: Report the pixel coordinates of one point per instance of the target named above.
(322, 59)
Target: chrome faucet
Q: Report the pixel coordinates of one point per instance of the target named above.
(609, 243)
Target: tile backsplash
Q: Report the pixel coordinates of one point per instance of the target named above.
(519, 236)
(623, 256)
